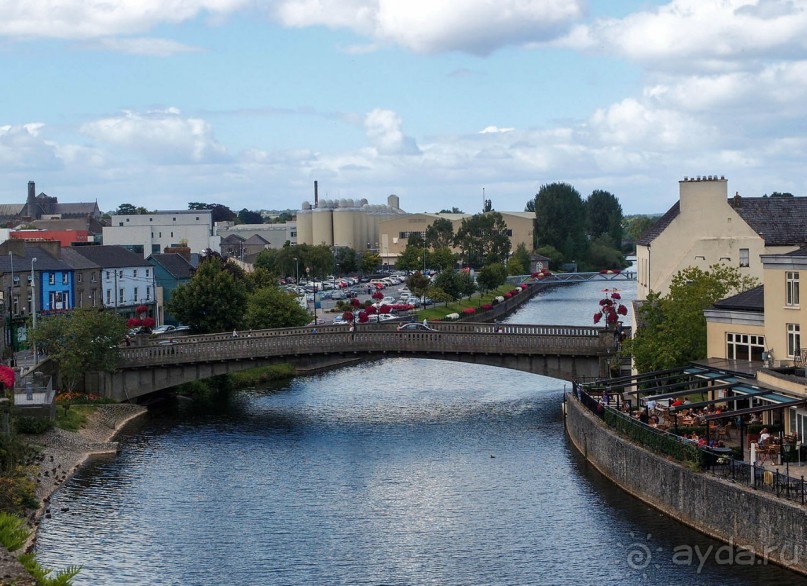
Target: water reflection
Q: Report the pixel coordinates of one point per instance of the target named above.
(393, 472)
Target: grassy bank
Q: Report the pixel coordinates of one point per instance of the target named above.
(439, 311)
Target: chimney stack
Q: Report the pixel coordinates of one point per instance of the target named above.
(316, 195)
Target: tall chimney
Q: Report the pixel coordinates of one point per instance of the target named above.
(31, 190)
(316, 195)
(30, 203)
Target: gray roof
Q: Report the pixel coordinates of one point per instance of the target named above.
(112, 256)
(751, 300)
(779, 221)
(77, 208)
(76, 260)
(175, 264)
(11, 209)
(22, 263)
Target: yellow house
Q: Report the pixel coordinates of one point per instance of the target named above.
(706, 227)
(759, 331)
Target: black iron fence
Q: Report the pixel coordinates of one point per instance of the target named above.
(653, 439)
(716, 462)
(757, 477)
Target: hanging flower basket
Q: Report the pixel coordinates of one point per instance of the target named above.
(141, 309)
(469, 311)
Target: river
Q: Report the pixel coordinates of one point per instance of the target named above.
(396, 472)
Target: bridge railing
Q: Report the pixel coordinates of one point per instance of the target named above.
(454, 338)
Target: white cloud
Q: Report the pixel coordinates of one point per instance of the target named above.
(142, 46)
(432, 26)
(701, 35)
(383, 129)
(162, 136)
(494, 130)
(23, 147)
(86, 19)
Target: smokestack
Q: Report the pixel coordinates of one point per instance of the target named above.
(31, 190)
(316, 195)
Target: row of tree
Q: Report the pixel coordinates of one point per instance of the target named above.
(569, 229)
(220, 213)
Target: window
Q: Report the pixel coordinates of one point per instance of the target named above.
(120, 223)
(793, 339)
(744, 347)
(107, 274)
(744, 257)
(120, 295)
(51, 279)
(30, 304)
(155, 248)
(120, 274)
(78, 277)
(134, 272)
(148, 293)
(135, 294)
(16, 280)
(791, 288)
(64, 278)
(109, 296)
(16, 304)
(92, 277)
(30, 280)
(147, 273)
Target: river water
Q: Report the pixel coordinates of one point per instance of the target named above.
(393, 472)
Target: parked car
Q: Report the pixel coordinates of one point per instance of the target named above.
(415, 327)
(163, 329)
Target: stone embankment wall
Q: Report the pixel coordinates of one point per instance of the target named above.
(774, 529)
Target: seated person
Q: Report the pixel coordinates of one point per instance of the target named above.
(764, 437)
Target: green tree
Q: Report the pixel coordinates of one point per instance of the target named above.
(411, 258)
(554, 255)
(454, 210)
(370, 261)
(672, 329)
(442, 259)
(483, 239)
(418, 284)
(604, 256)
(514, 266)
(491, 276)
(561, 220)
(440, 234)
(523, 257)
(635, 226)
(246, 216)
(271, 307)
(347, 260)
(454, 284)
(530, 207)
(213, 301)
(604, 217)
(127, 209)
(80, 341)
(220, 213)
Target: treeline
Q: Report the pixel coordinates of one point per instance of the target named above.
(220, 213)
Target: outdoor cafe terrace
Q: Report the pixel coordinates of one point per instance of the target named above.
(730, 419)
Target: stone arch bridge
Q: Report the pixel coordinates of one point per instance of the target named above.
(566, 352)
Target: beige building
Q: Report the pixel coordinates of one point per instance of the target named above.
(762, 328)
(706, 227)
(394, 233)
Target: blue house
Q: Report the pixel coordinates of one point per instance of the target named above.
(170, 271)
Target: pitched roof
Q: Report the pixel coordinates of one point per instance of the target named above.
(21, 263)
(175, 264)
(112, 256)
(256, 239)
(661, 224)
(751, 300)
(779, 221)
(76, 260)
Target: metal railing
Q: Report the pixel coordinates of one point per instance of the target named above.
(715, 463)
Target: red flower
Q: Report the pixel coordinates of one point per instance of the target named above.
(597, 317)
(355, 302)
(622, 310)
(133, 322)
(378, 295)
(148, 322)
(370, 309)
(469, 310)
(362, 317)
(141, 309)
(347, 316)
(616, 296)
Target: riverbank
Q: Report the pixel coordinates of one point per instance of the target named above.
(62, 452)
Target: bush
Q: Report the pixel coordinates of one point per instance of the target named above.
(17, 492)
(13, 531)
(32, 425)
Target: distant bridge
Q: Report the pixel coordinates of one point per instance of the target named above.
(565, 352)
(576, 277)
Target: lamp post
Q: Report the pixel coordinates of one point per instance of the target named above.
(11, 303)
(786, 456)
(33, 307)
(297, 272)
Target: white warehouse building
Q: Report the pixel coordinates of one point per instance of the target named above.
(148, 234)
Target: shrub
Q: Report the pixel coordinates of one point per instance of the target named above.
(13, 531)
(32, 425)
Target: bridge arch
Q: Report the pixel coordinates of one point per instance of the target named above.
(565, 352)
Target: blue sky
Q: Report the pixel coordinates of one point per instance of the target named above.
(247, 102)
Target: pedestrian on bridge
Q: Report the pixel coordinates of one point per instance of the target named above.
(235, 333)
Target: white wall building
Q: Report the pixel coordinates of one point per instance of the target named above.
(148, 234)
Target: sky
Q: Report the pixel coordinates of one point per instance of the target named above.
(444, 103)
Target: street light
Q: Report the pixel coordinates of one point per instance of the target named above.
(33, 306)
(11, 303)
(297, 277)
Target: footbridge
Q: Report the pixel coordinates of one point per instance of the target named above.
(565, 352)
